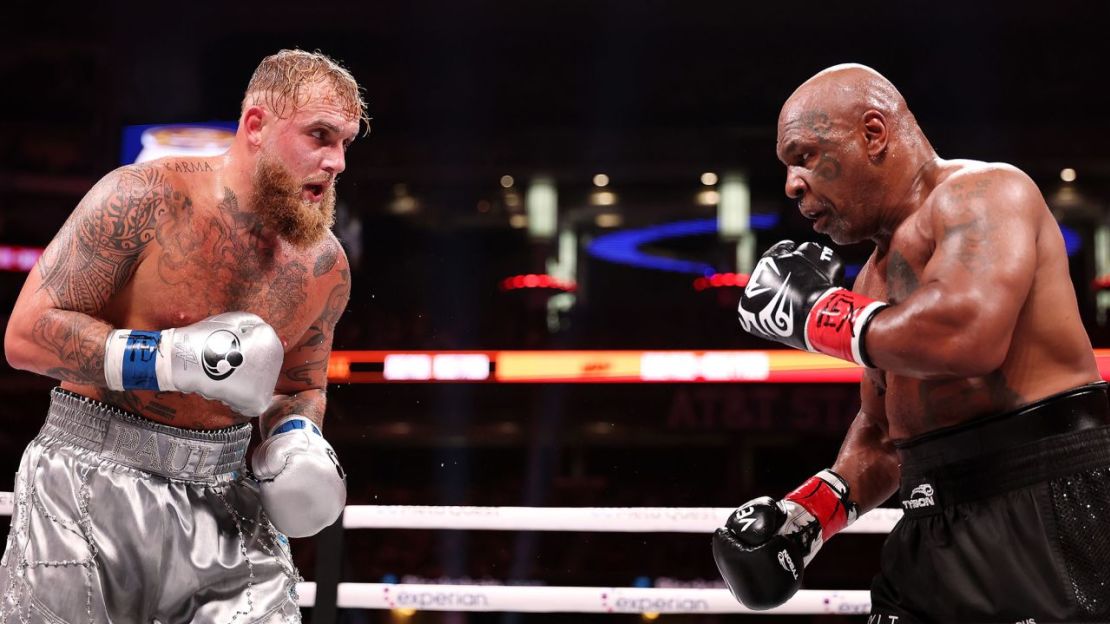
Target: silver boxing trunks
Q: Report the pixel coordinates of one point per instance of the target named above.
(121, 519)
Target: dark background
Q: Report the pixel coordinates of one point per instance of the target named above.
(650, 93)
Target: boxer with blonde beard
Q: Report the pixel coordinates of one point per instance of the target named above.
(183, 298)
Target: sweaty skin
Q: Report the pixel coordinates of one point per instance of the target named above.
(983, 317)
(171, 242)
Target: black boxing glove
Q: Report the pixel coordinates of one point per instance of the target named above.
(765, 545)
(793, 297)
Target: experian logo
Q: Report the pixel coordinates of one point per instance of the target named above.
(440, 600)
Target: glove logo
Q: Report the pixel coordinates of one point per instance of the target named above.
(338, 467)
(924, 490)
(777, 317)
(222, 355)
(838, 311)
(743, 519)
(787, 563)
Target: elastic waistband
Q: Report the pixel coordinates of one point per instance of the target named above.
(1059, 436)
(130, 440)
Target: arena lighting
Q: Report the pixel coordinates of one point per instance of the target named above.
(507, 181)
(708, 198)
(1067, 174)
(603, 198)
(721, 280)
(734, 212)
(533, 280)
(672, 366)
(709, 178)
(1073, 242)
(608, 220)
(541, 203)
(601, 180)
(141, 143)
(19, 259)
(438, 367)
(588, 367)
(623, 247)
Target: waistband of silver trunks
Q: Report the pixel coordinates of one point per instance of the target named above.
(134, 441)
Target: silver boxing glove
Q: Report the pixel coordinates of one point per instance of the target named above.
(303, 487)
(233, 358)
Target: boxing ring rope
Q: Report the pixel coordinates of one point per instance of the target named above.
(602, 519)
(553, 599)
(547, 599)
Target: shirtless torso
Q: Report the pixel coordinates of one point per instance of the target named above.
(180, 247)
(1047, 352)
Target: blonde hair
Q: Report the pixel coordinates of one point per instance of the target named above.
(283, 83)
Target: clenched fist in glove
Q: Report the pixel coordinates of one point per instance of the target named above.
(765, 545)
(794, 297)
(233, 358)
(303, 486)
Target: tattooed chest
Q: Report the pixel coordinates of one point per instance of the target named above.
(915, 406)
(898, 276)
(171, 290)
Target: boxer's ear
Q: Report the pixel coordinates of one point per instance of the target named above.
(254, 121)
(875, 134)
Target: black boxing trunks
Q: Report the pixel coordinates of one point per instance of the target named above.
(1007, 519)
(121, 519)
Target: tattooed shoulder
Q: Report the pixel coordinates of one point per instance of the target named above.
(901, 279)
(96, 251)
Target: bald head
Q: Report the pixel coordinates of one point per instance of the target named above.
(848, 140)
(847, 91)
(847, 98)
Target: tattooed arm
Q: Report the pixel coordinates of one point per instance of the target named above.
(53, 329)
(960, 321)
(301, 388)
(301, 483)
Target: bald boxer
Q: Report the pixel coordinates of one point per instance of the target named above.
(183, 298)
(982, 406)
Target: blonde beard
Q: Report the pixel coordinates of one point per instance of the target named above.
(277, 201)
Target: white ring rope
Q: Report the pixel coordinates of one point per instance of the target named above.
(545, 599)
(604, 519)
